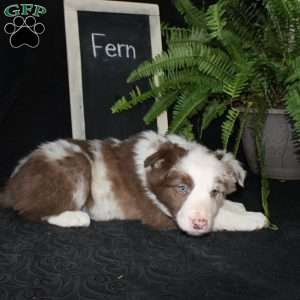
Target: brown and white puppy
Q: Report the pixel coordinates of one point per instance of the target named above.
(164, 181)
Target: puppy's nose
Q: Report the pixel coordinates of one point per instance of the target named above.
(199, 223)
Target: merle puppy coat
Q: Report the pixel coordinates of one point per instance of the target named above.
(163, 181)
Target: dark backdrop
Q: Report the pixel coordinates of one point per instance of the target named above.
(34, 99)
(33, 88)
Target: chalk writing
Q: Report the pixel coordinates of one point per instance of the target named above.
(111, 50)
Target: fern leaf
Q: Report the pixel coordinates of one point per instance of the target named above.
(193, 16)
(178, 36)
(234, 46)
(294, 75)
(121, 104)
(292, 97)
(215, 63)
(292, 102)
(228, 126)
(212, 111)
(161, 104)
(243, 117)
(173, 59)
(186, 130)
(265, 193)
(168, 82)
(136, 97)
(177, 79)
(243, 30)
(236, 87)
(215, 20)
(279, 16)
(260, 152)
(186, 105)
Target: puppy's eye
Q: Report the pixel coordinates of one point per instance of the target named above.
(215, 193)
(182, 188)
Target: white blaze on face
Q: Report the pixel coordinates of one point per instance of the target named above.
(197, 213)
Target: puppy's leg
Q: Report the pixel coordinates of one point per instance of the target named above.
(70, 219)
(234, 206)
(238, 220)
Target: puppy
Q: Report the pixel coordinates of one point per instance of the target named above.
(164, 181)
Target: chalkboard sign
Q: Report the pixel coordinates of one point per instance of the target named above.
(106, 40)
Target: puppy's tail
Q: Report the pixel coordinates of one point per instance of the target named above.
(5, 199)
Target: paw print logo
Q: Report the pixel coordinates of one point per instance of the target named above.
(24, 32)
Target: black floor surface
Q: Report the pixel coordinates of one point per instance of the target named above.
(126, 260)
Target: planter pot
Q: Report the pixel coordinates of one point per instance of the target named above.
(281, 159)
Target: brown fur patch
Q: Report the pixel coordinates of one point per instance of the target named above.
(166, 188)
(119, 159)
(44, 187)
(163, 180)
(167, 155)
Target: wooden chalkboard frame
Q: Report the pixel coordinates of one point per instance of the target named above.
(71, 8)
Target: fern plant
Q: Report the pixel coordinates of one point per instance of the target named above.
(232, 53)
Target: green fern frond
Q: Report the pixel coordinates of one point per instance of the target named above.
(193, 16)
(259, 122)
(244, 19)
(212, 111)
(214, 19)
(243, 28)
(265, 194)
(294, 25)
(171, 60)
(136, 97)
(177, 79)
(171, 80)
(186, 130)
(237, 86)
(186, 105)
(292, 102)
(215, 63)
(168, 83)
(228, 126)
(279, 15)
(292, 97)
(210, 61)
(178, 36)
(243, 118)
(120, 105)
(161, 104)
(174, 34)
(294, 75)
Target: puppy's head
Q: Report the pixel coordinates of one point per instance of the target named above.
(191, 184)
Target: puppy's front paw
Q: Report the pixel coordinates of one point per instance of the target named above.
(254, 221)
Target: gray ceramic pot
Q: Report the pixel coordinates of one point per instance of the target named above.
(282, 161)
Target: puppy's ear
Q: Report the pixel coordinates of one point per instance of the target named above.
(167, 155)
(234, 169)
(155, 160)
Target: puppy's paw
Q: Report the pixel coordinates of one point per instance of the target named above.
(70, 219)
(253, 221)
